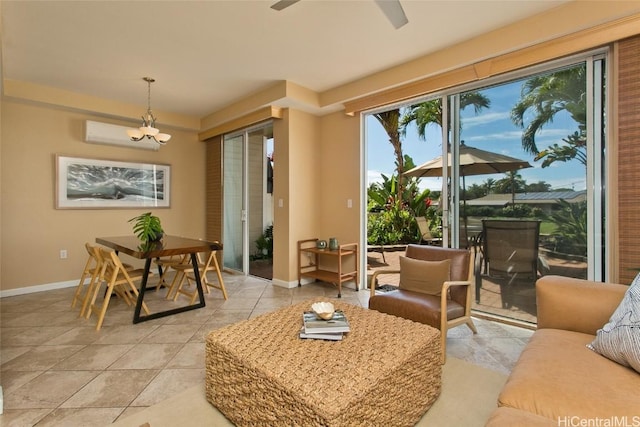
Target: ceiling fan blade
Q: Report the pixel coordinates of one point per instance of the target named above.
(394, 12)
(282, 4)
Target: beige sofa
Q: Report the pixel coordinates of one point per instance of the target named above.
(557, 380)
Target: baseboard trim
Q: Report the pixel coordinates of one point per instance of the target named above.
(72, 283)
(284, 284)
(38, 288)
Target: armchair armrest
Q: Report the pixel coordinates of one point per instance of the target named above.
(447, 285)
(575, 304)
(450, 283)
(444, 296)
(372, 287)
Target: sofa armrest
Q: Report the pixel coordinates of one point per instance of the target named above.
(575, 304)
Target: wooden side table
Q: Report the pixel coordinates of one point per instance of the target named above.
(312, 268)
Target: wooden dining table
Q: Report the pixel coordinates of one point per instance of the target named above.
(167, 246)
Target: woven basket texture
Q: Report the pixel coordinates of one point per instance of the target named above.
(385, 372)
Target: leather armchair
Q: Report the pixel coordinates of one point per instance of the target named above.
(447, 310)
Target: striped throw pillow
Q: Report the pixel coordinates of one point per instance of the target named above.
(619, 339)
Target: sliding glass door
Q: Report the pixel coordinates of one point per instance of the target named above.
(524, 183)
(248, 207)
(233, 218)
(528, 164)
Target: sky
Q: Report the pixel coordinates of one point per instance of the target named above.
(491, 130)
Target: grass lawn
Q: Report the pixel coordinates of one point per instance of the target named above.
(547, 227)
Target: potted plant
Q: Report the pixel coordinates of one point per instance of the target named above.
(264, 244)
(147, 227)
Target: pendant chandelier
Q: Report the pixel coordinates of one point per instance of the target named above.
(148, 128)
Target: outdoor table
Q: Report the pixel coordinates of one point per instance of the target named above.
(168, 246)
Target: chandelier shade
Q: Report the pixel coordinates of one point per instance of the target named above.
(148, 128)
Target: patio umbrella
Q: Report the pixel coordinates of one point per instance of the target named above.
(473, 161)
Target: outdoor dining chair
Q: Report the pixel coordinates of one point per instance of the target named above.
(425, 232)
(509, 251)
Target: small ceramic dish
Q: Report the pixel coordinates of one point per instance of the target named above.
(323, 310)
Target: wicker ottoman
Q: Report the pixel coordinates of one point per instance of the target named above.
(385, 372)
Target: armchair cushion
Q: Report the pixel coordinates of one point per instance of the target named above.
(416, 306)
(619, 339)
(413, 277)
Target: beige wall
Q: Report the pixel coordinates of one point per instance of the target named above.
(34, 232)
(297, 167)
(317, 169)
(340, 153)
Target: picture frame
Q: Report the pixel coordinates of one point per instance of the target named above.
(83, 183)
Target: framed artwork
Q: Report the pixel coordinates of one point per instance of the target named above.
(103, 184)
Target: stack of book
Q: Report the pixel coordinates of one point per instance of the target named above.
(316, 328)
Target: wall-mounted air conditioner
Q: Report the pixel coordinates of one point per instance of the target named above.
(108, 134)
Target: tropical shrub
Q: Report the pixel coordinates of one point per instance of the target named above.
(571, 227)
(391, 221)
(516, 211)
(394, 225)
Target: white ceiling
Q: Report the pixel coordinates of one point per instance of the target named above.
(205, 55)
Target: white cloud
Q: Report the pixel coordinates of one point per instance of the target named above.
(483, 119)
(433, 184)
(374, 176)
(497, 136)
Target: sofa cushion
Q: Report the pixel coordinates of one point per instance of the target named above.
(423, 276)
(563, 302)
(557, 376)
(619, 339)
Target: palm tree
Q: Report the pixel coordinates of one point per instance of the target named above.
(390, 121)
(574, 148)
(512, 183)
(489, 185)
(395, 123)
(430, 112)
(545, 96)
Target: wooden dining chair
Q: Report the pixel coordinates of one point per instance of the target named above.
(185, 271)
(211, 265)
(91, 269)
(181, 268)
(164, 266)
(119, 280)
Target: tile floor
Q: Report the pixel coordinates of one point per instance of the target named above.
(56, 370)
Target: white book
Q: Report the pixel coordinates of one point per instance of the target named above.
(315, 325)
(330, 336)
